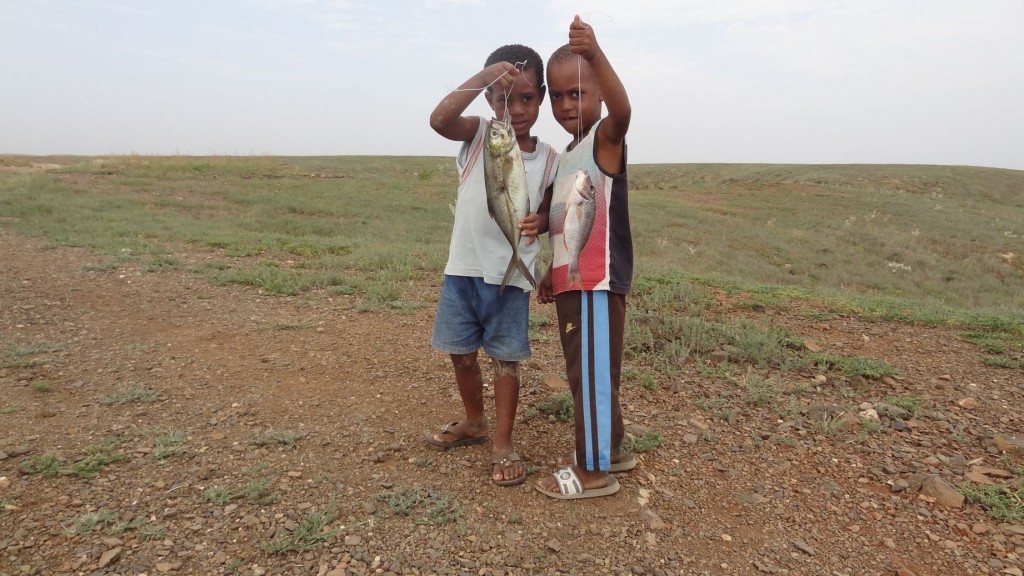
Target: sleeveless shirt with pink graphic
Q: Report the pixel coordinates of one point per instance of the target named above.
(606, 259)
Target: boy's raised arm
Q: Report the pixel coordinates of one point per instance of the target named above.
(583, 41)
(447, 119)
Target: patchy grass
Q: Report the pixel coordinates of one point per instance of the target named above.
(1004, 503)
(911, 404)
(48, 464)
(852, 366)
(90, 521)
(648, 442)
(557, 405)
(220, 495)
(131, 395)
(311, 532)
(280, 437)
(429, 507)
(168, 443)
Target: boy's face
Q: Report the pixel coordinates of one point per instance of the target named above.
(575, 97)
(523, 103)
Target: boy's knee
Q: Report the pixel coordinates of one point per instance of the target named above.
(506, 368)
(464, 360)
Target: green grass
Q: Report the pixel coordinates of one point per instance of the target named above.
(1004, 503)
(258, 492)
(47, 464)
(90, 521)
(95, 458)
(168, 443)
(220, 495)
(852, 366)
(911, 404)
(24, 356)
(557, 405)
(282, 437)
(426, 506)
(131, 395)
(42, 386)
(648, 442)
(910, 244)
(311, 531)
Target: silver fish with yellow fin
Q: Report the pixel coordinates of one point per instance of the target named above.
(508, 196)
(580, 210)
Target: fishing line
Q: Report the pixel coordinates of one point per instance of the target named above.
(508, 93)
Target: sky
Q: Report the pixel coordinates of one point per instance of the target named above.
(763, 81)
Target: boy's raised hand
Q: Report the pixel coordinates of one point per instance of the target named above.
(501, 75)
(582, 39)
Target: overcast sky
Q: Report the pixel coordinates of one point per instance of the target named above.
(790, 81)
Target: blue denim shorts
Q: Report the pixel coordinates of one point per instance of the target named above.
(471, 315)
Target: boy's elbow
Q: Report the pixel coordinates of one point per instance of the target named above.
(437, 123)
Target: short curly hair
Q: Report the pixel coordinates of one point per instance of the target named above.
(562, 54)
(516, 54)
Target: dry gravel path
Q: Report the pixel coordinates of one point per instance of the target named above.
(299, 405)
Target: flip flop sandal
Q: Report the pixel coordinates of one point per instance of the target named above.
(570, 487)
(626, 462)
(464, 441)
(506, 462)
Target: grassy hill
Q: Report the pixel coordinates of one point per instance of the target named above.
(933, 244)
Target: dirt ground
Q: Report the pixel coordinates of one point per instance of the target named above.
(755, 491)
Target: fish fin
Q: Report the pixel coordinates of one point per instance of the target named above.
(516, 263)
(508, 274)
(526, 271)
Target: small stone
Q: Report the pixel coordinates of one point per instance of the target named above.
(979, 478)
(967, 403)
(554, 382)
(944, 494)
(726, 538)
(899, 426)
(1007, 443)
(164, 567)
(993, 472)
(869, 414)
(690, 439)
(353, 540)
(812, 346)
(4, 482)
(980, 528)
(890, 411)
(803, 547)
(654, 522)
(1012, 571)
(110, 556)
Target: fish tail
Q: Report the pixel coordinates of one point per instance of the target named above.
(573, 275)
(508, 274)
(526, 271)
(516, 263)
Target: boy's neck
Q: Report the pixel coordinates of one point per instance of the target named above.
(577, 139)
(527, 143)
